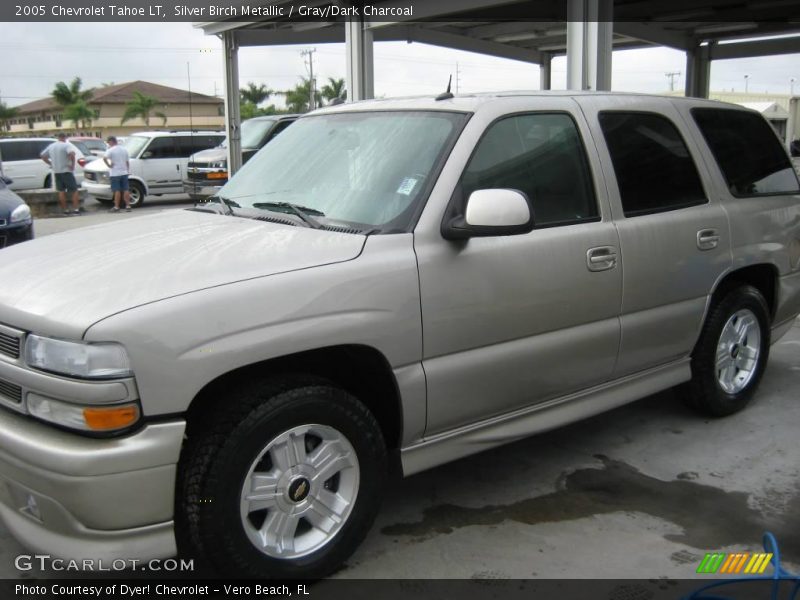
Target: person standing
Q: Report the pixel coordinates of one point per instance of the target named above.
(61, 157)
(118, 160)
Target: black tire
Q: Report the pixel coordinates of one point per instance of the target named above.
(221, 455)
(137, 194)
(706, 391)
(48, 182)
(103, 201)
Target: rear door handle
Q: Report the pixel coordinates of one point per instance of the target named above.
(707, 239)
(601, 258)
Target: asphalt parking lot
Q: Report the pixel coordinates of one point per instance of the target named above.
(644, 491)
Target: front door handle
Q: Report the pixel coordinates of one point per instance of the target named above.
(707, 239)
(601, 258)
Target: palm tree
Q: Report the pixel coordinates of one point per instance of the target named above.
(334, 89)
(65, 94)
(80, 114)
(6, 114)
(142, 106)
(254, 94)
(298, 97)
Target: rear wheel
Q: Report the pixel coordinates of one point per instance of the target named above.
(137, 193)
(286, 484)
(48, 182)
(731, 355)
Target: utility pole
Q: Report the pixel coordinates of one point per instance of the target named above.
(312, 84)
(672, 75)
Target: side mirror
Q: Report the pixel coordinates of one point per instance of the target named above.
(147, 154)
(7, 180)
(493, 212)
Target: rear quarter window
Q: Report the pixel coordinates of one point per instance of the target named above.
(748, 152)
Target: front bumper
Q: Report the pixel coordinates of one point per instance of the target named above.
(202, 188)
(73, 496)
(98, 190)
(16, 233)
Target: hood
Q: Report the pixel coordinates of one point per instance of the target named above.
(8, 201)
(211, 155)
(61, 284)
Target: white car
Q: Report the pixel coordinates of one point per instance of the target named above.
(158, 163)
(23, 164)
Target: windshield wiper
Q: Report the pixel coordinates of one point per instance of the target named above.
(301, 211)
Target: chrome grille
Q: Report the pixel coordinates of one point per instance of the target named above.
(11, 391)
(9, 345)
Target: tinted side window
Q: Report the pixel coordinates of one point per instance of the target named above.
(540, 155)
(747, 151)
(188, 145)
(278, 128)
(654, 169)
(23, 150)
(162, 147)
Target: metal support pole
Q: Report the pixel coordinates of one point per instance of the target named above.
(576, 45)
(360, 65)
(698, 71)
(600, 32)
(232, 116)
(545, 71)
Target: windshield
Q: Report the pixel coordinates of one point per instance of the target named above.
(253, 131)
(365, 169)
(134, 144)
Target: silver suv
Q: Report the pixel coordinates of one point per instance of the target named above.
(387, 284)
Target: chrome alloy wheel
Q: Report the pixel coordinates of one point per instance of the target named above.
(738, 350)
(299, 491)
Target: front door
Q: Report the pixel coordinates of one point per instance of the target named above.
(512, 321)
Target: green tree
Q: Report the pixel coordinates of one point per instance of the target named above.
(80, 114)
(6, 114)
(142, 106)
(334, 89)
(254, 94)
(65, 95)
(297, 99)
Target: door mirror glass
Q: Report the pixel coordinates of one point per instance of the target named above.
(147, 154)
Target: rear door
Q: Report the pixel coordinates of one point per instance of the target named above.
(673, 233)
(512, 321)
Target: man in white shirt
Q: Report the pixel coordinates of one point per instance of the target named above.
(61, 157)
(118, 160)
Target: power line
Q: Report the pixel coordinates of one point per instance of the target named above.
(672, 75)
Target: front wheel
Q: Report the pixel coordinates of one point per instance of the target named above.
(284, 485)
(731, 355)
(137, 193)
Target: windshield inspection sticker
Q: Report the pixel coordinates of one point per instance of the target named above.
(407, 186)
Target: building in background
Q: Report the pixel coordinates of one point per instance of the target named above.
(183, 110)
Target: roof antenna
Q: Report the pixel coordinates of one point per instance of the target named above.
(446, 95)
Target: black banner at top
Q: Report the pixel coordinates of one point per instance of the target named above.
(288, 11)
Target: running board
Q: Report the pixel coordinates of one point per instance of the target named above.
(522, 423)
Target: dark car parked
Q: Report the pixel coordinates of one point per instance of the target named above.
(207, 171)
(16, 223)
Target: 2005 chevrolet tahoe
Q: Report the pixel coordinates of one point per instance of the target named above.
(399, 282)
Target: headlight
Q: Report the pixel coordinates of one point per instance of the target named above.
(98, 419)
(77, 359)
(21, 213)
(222, 164)
(104, 177)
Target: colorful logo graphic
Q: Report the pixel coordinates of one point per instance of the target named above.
(737, 563)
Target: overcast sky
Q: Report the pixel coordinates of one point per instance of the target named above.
(37, 55)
